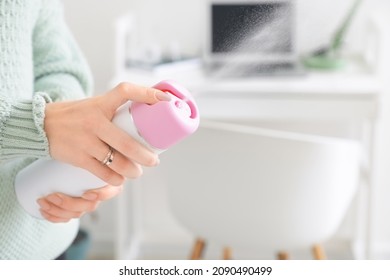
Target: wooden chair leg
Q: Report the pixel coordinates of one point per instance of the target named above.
(318, 252)
(227, 253)
(282, 255)
(197, 250)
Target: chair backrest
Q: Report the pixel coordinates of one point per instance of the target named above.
(244, 186)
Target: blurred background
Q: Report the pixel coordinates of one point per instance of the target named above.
(324, 74)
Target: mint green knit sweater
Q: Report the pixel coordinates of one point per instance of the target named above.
(39, 63)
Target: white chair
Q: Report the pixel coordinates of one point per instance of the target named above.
(248, 187)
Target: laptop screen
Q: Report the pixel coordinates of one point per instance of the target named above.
(251, 31)
(251, 28)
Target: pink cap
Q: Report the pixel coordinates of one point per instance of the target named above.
(165, 123)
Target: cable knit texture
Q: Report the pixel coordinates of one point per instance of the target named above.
(39, 63)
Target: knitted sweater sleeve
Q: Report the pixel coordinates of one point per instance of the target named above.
(60, 73)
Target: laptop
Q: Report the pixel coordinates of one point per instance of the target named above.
(247, 38)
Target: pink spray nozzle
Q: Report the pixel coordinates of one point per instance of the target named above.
(167, 122)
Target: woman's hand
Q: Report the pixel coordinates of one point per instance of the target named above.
(60, 208)
(81, 133)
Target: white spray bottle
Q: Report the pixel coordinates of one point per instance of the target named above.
(157, 126)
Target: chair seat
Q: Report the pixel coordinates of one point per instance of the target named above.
(258, 188)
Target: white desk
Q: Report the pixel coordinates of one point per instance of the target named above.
(347, 97)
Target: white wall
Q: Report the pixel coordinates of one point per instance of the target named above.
(92, 22)
(182, 20)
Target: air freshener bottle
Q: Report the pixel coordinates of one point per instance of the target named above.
(157, 126)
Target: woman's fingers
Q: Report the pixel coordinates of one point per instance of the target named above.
(120, 164)
(103, 172)
(58, 203)
(103, 194)
(124, 92)
(60, 208)
(54, 219)
(126, 145)
(125, 167)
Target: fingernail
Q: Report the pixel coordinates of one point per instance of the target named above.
(43, 204)
(90, 196)
(55, 199)
(163, 96)
(157, 161)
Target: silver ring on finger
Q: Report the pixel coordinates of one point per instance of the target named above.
(109, 157)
